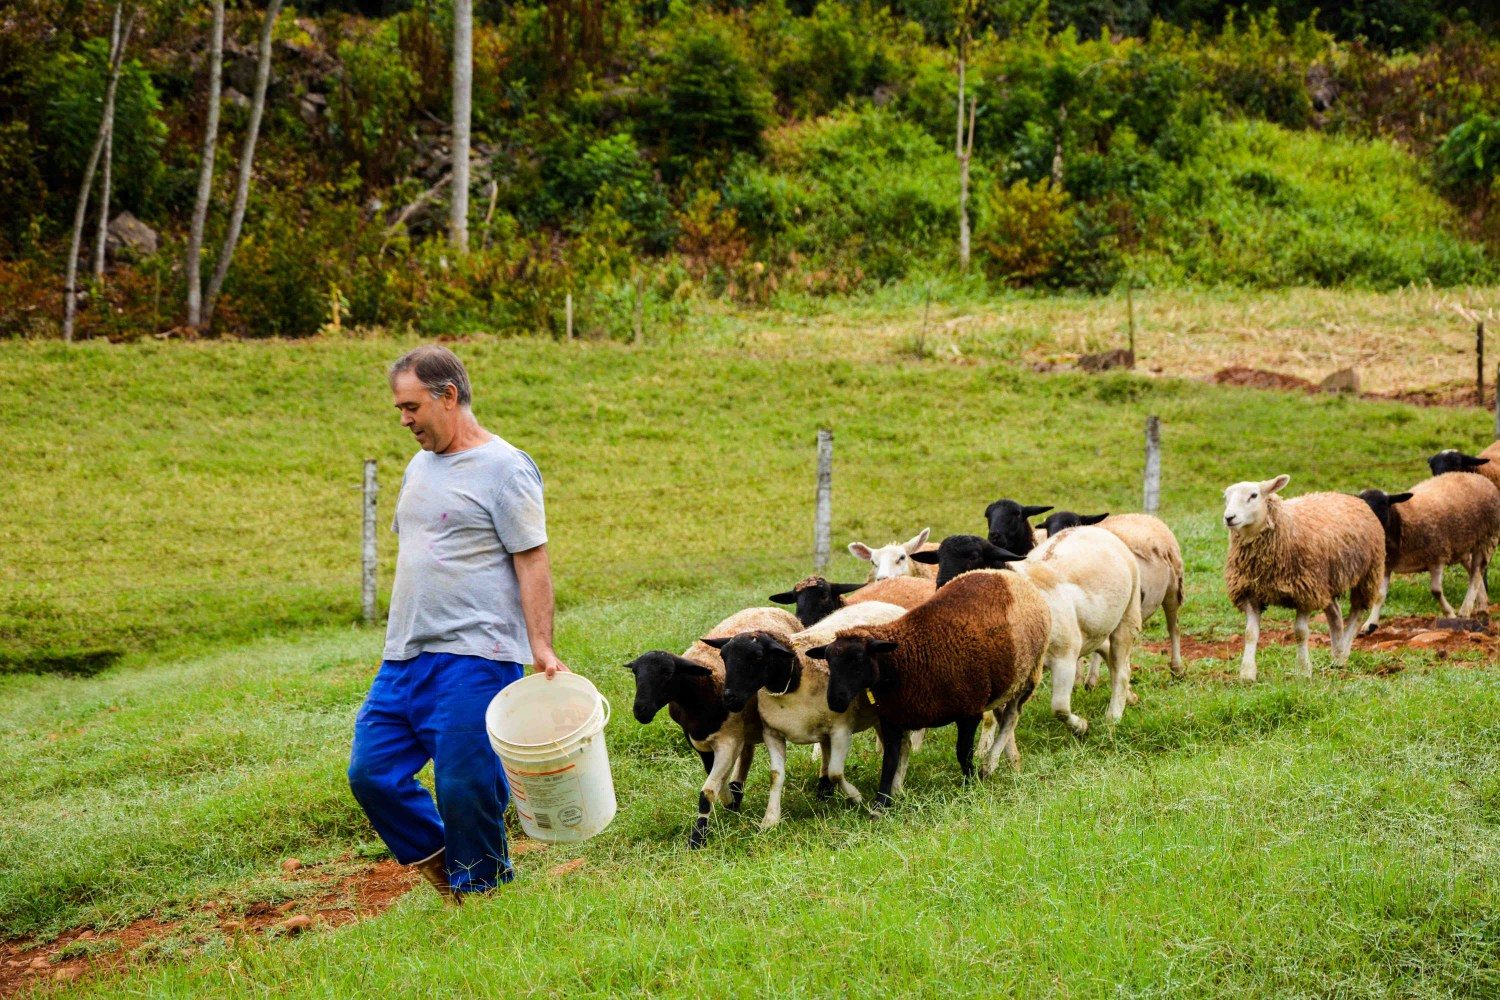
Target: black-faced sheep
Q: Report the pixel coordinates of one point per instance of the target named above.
(976, 647)
(815, 598)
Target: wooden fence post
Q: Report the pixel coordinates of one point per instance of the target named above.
(367, 582)
(1479, 361)
(823, 515)
(568, 306)
(1152, 499)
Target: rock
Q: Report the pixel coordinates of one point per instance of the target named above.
(312, 107)
(40, 962)
(238, 99)
(239, 70)
(1105, 360)
(295, 925)
(66, 974)
(290, 865)
(1427, 638)
(232, 926)
(1343, 380)
(130, 236)
(1462, 624)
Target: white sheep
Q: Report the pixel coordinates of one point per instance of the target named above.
(1302, 554)
(895, 559)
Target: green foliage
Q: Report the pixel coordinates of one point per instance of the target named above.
(1031, 234)
(708, 101)
(838, 51)
(370, 111)
(1470, 154)
(70, 94)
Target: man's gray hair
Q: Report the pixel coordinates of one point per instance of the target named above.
(437, 368)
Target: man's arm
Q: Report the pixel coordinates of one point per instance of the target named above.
(534, 573)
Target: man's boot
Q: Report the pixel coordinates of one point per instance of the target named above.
(435, 871)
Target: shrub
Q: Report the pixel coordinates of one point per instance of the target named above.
(1470, 154)
(370, 111)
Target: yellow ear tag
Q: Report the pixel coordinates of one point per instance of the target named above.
(870, 695)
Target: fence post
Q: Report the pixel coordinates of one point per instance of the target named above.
(568, 306)
(823, 516)
(637, 317)
(1479, 361)
(1497, 402)
(368, 577)
(1130, 313)
(1152, 497)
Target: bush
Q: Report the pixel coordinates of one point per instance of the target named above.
(370, 110)
(1470, 154)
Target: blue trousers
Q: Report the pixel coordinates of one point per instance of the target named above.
(431, 707)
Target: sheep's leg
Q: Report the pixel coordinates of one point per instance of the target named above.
(825, 762)
(698, 835)
(909, 742)
(1252, 639)
(718, 762)
(1091, 679)
(1435, 584)
(741, 772)
(1063, 669)
(836, 753)
(776, 752)
(988, 726)
(892, 737)
(1169, 608)
(1119, 679)
(1373, 622)
(1339, 639)
(1475, 592)
(1302, 630)
(967, 727)
(1005, 740)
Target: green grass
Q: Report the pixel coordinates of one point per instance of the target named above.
(193, 506)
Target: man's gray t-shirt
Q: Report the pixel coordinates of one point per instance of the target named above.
(459, 517)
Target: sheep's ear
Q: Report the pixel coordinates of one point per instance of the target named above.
(927, 558)
(780, 647)
(1093, 518)
(690, 668)
(1398, 497)
(719, 642)
(990, 509)
(917, 542)
(840, 589)
(785, 597)
(1474, 462)
(860, 551)
(1033, 511)
(1273, 485)
(878, 646)
(817, 653)
(994, 555)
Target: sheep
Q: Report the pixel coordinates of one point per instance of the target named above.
(893, 560)
(1092, 584)
(976, 647)
(1009, 528)
(1486, 463)
(1302, 554)
(816, 598)
(692, 688)
(767, 668)
(1454, 517)
(1160, 556)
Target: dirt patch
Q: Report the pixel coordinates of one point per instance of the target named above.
(338, 896)
(1409, 633)
(1258, 378)
(1451, 394)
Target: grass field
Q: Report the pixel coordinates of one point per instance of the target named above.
(193, 506)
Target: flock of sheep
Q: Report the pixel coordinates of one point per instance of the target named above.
(939, 635)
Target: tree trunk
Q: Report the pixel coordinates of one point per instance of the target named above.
(247, 161)
(463, 85)
(1057, 146)
(109, 157)
(205, 170)
(70, 302)
(959, 151)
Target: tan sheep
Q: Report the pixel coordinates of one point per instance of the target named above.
(1301, 554)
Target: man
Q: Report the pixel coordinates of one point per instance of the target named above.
(472, 602)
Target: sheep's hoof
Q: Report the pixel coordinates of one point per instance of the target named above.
(1131, 698)
(825, 788)
(736, 796)
(768, 823)
(1369, 629)
(1080, 728)
(882, 803)
(697, 838)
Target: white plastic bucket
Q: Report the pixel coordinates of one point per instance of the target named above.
(550, 738)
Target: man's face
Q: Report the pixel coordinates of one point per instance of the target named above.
(431, 421)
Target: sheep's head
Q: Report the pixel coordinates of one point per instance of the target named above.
(1245, 507)
(1382, 504)
(753, 660)
(855, 665)
(893, 559)
(962, 553)
(1454, 460)
(1008, 524)
(815, 598)
(656, 680)
(1065, 519)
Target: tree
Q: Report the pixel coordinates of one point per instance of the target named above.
(70, 300)
(247, 161)
(109, 155)
(205, 169)
(963, 143)
(463, 85)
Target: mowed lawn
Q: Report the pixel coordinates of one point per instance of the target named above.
(194, 507)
